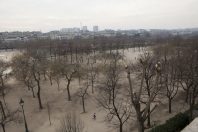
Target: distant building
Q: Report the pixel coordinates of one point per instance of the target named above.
(76, 30)
(70, 30)
(1, 36)
(84, 29)
(108, 32)
(95, 28)
(66, 30)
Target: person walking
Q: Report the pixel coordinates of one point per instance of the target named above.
(94, 116)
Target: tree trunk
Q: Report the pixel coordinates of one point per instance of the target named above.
(50, 78)
(68, 91)
(58, 83)
(2, 110)
(169, 105)
(2, 82)
(44, 76)
(191, 102)
(110, 98)
(187, 94)
(149, 118)
(38, 95)
(27, 84)
(3, 92)
(76, 55)
(92, 85)
(140, 125)
(191, 112)
(139, 119)
(71, 61)
(33, 92)
(121, 125)
(83, 103)
(3, 127)
(149, 109)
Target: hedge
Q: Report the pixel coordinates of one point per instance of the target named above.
(174, 124)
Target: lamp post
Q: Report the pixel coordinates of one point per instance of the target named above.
(22, 103)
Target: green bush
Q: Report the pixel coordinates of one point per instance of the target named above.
(174, 124)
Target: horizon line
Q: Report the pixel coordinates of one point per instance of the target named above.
(119, 29)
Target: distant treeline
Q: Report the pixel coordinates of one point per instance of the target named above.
(97, 43)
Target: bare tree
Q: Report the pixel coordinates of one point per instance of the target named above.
(37, 77)
(193, 94)
(44, 64)
(183, 73)
(68, 71)
(170, 72)
(3, 68)
(29, 82)
(93, 71)
(142, 113)
(149, 76)
(22, 71)
(6, 116)
(55, 72)
(3, 77)
(187, 65)
(110, 96)
(170, 80)
(82, 93)
(193, 75)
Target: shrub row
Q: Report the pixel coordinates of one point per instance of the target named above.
(174, 124)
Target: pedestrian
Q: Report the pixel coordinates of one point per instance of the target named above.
(94, 116)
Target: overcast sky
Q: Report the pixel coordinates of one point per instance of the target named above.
(46, 15)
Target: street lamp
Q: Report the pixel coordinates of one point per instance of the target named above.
(22, 103)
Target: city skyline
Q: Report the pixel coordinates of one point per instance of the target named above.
(47, 15)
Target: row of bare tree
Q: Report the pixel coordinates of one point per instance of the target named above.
(164, 70)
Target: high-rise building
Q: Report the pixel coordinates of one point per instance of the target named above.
(95, 28)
